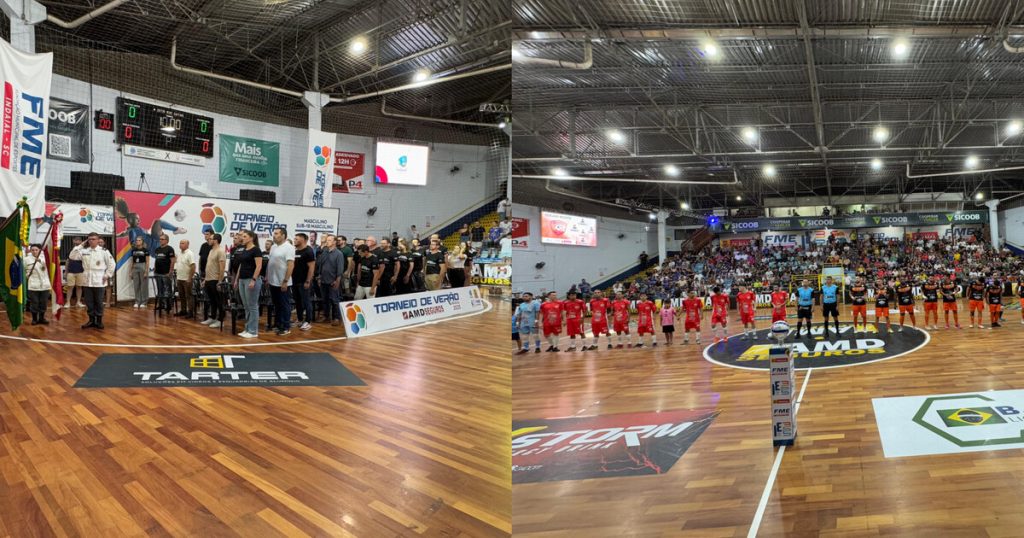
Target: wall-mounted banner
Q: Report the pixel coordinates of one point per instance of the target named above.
(162, 155)
(854, 221)
(495, 274)
(950, 423)
(210, 370)
(520, 232)
(148, 214)
(316, 190)
(371, 316)
(349, 172)
(249, 161)
(68, 131)
(79, 219)
(578, 448)
(782, 239)
(26, 94)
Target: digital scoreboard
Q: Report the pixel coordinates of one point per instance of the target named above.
(159, 127)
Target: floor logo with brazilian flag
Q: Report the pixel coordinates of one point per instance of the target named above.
(13, 234)
(950, 423)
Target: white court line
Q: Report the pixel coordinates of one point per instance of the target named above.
(761, 506)
(257, 344)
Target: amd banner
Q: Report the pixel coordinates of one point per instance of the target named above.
(68, 131)
(372, 316)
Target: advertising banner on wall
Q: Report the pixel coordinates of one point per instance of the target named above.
(495, 274)
(349, 172)
(249, 161)
(79, 219)
(68, 130)
(146, 215)
(853, 221)
(319, 157)
(520, 232)
(372, 316)
(26, 80)
(783, 239)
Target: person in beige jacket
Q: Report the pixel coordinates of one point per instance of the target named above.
(99, 270)
(38, 284)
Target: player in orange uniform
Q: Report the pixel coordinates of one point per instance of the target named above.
(976, 300)
(551, 314)
(599, 306)
(745, 303)
(719, 307)
(694, 309)
(930, 290)
(573, 309)
(948, 290)
(645, 310)
(620, 319)
(858, 297)
(994, 295)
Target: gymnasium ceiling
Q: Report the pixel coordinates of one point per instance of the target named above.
(305, 45)
(812, 80)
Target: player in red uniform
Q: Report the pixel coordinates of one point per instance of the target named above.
(620, 319)
(694, 309)
(745, 303)
(551, 314)
(645, 310)
(719, 307)
(779, 301)
(599, 306)
(573, 309)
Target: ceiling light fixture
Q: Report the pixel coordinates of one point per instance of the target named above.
(876, 164)
(769, 170)
(880, 134)
(672, 170)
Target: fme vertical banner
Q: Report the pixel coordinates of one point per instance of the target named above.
(316, 190)
(26, 93)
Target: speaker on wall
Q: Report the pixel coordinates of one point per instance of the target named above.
(252, 195)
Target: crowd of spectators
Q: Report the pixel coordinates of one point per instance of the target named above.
(760, 266)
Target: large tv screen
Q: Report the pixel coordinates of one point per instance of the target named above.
(402, 164)
(562, 229)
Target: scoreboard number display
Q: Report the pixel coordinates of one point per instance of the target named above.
(159, 127)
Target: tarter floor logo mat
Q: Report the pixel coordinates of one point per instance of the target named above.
(629, 444)
(214, 370)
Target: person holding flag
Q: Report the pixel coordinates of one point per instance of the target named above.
(13, 236)
(53, 262)
(38, 284)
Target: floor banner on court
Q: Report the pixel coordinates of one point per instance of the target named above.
(371, 316)
(630, 444)
(950, 423)
(239, 370)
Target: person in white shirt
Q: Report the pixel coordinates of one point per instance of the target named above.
(38, 284)
(74, 272)
(503, 208)
(280, 264)
(99, 269)
(185, 268)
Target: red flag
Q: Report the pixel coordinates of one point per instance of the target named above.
(53, 255)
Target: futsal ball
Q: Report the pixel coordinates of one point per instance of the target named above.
(179, 215)
(780, 328)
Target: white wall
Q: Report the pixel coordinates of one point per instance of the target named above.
(1011, 226)
(397, 206)
(566, 265)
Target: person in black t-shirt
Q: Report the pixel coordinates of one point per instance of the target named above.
(1020, 295)
(948, 291)
(204, 255)
(140, 273)
(930, 290)
(858, 298)
(994, 294)
(976, 300)
(388, 258)
(434, 266)
(266, 259)
(368, 271)
(905, 298)
(404, 284)
(246, 265)
(163, 262)
(302, 281)
(416, 253)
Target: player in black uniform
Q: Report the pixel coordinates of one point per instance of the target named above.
(930, 290)
(388, 257)
(858, 296)
(976, 300)
(948, 290)
(1020, 295)
(994, 297)
(905, 298)
(404, 283)
(416, 257)
(883, 295)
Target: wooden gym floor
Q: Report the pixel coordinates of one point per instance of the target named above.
(422, 450)
(834, 482)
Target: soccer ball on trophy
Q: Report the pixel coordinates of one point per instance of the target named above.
(780, 330)
(179, 215)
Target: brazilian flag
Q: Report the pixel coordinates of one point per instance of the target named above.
(12, 284)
